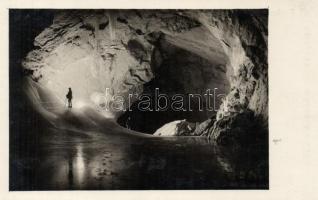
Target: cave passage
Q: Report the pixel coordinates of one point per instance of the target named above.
(183, 70)
(95, 54)
(165, 53)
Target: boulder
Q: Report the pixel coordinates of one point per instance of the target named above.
(176, 128)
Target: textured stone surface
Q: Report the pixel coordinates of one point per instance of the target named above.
(244, 39)
(244, 112)
(177, 128)
(94, 50)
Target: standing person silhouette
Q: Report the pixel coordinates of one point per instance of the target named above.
(69, 97)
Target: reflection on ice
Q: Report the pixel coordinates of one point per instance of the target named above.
(93, 161)
(79, 165)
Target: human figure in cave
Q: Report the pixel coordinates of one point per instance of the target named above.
(69, 97)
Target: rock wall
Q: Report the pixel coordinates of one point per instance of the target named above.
(244, 39)
(244, 113)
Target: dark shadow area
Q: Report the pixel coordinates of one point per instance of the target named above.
(24, 26)
(177, 72)
(243, 145)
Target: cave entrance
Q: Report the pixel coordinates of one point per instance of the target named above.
(191, 64)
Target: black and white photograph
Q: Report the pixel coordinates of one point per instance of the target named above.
(138, 99)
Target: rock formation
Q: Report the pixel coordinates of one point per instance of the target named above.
(244, 37)
(125, 50)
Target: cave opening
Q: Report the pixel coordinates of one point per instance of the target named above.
(191, 66)
(106, 55)
(190, 62)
